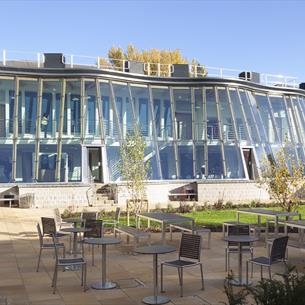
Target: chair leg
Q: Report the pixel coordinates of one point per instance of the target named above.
(85, 277)
(170, 232)
(261, 272)
(202, 279)
(92, 253)
(229, 267)
(251, 264)
(226, 259)
(82, 276)
(162, 288)
(269, 269)
(39, 260)
(55, 280)
(247, 272)
(181, 285)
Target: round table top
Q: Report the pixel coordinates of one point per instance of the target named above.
(155, 249)
(102, 241)
(72, 220)
(75, 230)
(241, 238)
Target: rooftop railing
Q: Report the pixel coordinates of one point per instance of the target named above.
(36, 60)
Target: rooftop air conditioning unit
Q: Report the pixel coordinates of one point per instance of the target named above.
(54, 60)
(250, 76)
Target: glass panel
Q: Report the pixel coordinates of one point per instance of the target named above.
(237, 112)
(212, 124)
(150, 156)
(266, 115)
(225, 116)
(72, 164)
(91, 116)
(200, 164)
(25, 162)
(300, 117)
(123, 108)
(215, 169)
(199, 116)
(47, 163)
(280, 116)
(157, 114)
(50, 108)
(72, 109)
(7, 99)
(6, 163)
(292, 119)
(234, 163)
(183, 113)
(168, 162)
(141, 100)
(249, 116)
(28, 91)
(186, 161)
(113, 157)
(162, 96)
(106, 108)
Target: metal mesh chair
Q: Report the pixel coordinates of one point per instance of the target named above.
(95, 232)
(88, 216)
(58, 220)
(233, 247)
(277, 255)
(189, 256)
(114, 223)
(49, 227)
(67, 262)
(43, 245)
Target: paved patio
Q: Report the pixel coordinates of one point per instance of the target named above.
(21, 284)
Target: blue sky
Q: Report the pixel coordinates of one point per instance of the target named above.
(263, 36)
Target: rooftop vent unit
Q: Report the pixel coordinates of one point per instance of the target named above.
(54, 60)
(180, 70)
(134, 67)
(250, 76)
(302, 86)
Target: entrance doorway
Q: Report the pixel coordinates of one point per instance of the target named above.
(250, 162)
(95, 163)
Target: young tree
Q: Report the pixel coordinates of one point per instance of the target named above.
(284, 180)
(133, 168)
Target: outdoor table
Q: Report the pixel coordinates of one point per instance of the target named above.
(155, 250)
(75, 231)
(300, 224)
(240, 240)
(104, 241)
(165, 219)
(268, 213)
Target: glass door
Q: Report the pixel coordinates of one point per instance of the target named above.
(95, 163)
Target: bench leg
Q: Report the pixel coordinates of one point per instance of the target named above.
(171, 232)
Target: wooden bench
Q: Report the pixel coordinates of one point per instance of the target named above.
(132, 232)
(188, 228)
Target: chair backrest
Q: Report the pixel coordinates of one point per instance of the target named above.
(278, 249)
(190, 246)
(39, 234)
(48, 225)
(57, 216)
(117, 214)
(89, 215)
(96, 228)
(238, 230)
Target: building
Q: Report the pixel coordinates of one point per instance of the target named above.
(61, 125)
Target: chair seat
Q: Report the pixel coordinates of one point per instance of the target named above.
(49, 246)
(180, 263)
(261, 260)
(71, 261)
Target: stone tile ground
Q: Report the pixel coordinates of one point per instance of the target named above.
(21, 285)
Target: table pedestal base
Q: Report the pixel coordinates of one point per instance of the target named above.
(237, 282)
(103, 286)
(156, 300)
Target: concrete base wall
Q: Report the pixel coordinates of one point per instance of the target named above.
(209, 192)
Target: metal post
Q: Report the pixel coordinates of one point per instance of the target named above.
(103, 265)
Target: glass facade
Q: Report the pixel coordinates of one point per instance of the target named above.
(199, 131)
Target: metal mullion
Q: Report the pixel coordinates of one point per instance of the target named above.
(99, 110)
(155, 139)
(272, 119)
(250, 139)
(232, 116)
(60, 130)
(38, 129)
(193, 129)
(15, 130)
(172, 103)
(83, 111)
(298, 119)
(293, 141)
(132, 104)
(112, 98)
(205, 123)
(220, 132)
